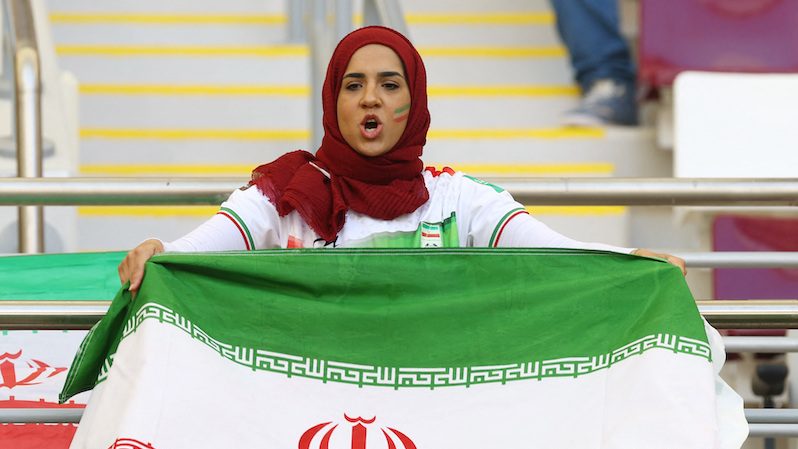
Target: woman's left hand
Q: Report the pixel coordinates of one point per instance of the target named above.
(678, 261)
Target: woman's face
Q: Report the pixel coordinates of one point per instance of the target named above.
(374, 101)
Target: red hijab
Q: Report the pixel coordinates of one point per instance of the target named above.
(383, 187)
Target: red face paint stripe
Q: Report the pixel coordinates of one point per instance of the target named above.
(243, 235)
(499, 235)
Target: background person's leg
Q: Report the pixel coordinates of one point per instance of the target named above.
(601, 61)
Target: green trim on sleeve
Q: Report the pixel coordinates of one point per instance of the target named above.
(485, 183)
(501, 223)
(242, 224)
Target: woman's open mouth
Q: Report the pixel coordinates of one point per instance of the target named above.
(370, 127)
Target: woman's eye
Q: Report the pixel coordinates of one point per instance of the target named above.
(352, 86)
(391, 86)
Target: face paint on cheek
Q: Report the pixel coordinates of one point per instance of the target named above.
(400, 114)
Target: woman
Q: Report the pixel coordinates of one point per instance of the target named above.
(365, 185)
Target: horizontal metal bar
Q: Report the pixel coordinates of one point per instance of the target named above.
(55, 315)
(735, 259)
(653, 191)
(762, 422)
(750, 313)
(117, 191)
(763, 344)
(51, 315)
(772, 430)
(40, 415)
(772, 415)
(542, 191)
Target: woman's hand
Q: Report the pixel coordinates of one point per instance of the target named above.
(679, 262)
(132, 267)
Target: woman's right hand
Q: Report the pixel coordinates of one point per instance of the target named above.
(132, 267)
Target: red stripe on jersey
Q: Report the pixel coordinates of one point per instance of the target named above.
(238, 226)
(435, 172)
(499, 235)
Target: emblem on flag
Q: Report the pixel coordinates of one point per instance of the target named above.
(394, 439)
(129, 443)
(16, 372)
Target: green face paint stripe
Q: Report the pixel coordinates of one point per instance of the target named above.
(402, 109)
(243, 225)
(500, 224)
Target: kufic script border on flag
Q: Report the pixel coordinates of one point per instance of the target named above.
(409, 377)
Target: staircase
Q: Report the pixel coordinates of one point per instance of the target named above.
(212, 88)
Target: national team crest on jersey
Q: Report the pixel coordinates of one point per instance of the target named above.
(431, 235)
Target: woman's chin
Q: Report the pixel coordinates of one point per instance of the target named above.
(371, 149)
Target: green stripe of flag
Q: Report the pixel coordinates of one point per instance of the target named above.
(413, 308)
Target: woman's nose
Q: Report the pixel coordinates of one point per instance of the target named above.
(370, 98)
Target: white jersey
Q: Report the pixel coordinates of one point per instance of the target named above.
(461, 211)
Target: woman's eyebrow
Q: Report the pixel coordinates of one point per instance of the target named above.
(389, 74)
(380, 74)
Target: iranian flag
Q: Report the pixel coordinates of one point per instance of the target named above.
(401, 349)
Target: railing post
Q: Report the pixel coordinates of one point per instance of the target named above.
(28, 118)
(386, 13)
(297, 13)
(343, 18)
(320, 49)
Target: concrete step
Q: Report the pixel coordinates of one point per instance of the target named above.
(127, 33)
(196, 112)
(184, 151)
(506, 34)
(282, 112)
(172, 6)
(460, 28)
(197, 70)
(445, 6)
(289, 64)
(630, 151)
(273, 30)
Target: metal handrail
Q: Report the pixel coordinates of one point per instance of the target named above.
(772, 430)
(761, 344)
(541, 191)
(750, 313)
(762, 422)
(740, 259)
(27, 116)
(51, 315)
(76, 315)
